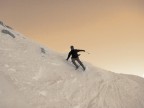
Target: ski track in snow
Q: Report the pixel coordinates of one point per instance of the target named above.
(47, 80)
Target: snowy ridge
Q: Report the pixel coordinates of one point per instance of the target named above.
(33, 76)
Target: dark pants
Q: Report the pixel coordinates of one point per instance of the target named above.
(78, 60)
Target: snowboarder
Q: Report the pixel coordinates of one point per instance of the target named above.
(75, 57)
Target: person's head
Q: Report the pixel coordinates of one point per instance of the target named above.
(72, 47)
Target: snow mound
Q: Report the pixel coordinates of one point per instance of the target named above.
(33, 76)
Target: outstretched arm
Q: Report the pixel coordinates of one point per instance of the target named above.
(80, 50)
(69, 55)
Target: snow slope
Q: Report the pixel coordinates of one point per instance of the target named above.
(33, 76)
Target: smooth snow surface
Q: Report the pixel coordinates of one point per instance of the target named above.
(33, 76)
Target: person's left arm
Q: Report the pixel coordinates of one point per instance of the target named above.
(69, 55)
(78, 50)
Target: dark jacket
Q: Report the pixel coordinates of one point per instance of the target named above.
(74, 53)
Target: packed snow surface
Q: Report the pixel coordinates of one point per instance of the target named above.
(33, 76)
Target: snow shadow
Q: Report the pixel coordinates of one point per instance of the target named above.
(43, 50)
(1, 23)
(8, 32)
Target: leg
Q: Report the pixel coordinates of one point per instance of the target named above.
(73, 61)
(80, 63)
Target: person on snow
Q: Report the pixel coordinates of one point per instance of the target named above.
(75, 57)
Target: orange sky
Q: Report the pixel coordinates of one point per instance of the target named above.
(111, 30)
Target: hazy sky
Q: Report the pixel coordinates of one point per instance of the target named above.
(111, 30)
